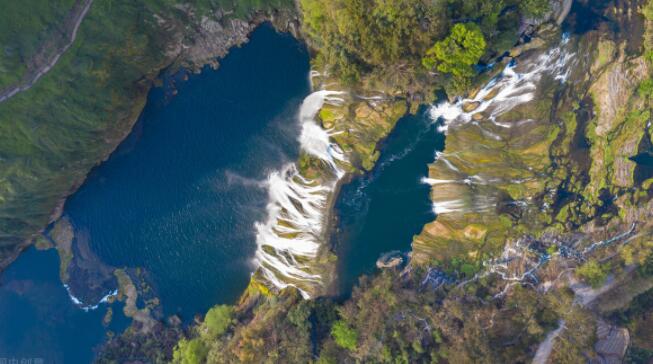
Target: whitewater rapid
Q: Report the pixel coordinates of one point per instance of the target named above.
(515, 85)
(288, 241)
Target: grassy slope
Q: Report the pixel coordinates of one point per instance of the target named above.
(54, 133)
(22, 29)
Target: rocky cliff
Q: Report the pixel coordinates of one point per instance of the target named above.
(75, 114)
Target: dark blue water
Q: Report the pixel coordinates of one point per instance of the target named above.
(381, 211)
(180, 196)
(39, 321)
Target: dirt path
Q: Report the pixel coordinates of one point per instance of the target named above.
(544, 350)
(42, 62)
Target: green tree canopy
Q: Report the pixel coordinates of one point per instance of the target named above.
(458, 52)
(218, 320)
(344, 335)
(190, 352)
(534, 8)
(593, 273)
(359, 35)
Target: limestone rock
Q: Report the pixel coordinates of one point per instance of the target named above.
(611, 344)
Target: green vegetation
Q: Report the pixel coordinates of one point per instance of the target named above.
(457, 53)
(647, 10)
(345, 336)
(645, 89)
(190, 352)
(218, 320)
(52, 134)
(593, 273)
(24, 27)
(358, 38)
(534, 8)
(406, 317)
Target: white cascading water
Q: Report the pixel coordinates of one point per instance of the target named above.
(507, 90)
(501, 94)
(289, 240)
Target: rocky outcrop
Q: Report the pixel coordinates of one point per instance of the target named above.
(488, 177)
(214, 34)
(611, 344)
(41, 165)
(340, 133)
(390, 260)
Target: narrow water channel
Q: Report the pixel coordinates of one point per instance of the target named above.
(381, 211)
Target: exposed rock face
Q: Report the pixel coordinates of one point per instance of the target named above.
(340, 133)
(212, 36)
(62, 235)
(613, 89)
(612, 92)
(496, 153)
(129, 293)
(612, 343)
(390, 260)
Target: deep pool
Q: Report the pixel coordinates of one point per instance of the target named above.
(181, 194)
(382, 210)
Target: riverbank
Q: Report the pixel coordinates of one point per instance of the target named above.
(42, 166)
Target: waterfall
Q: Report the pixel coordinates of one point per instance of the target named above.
(289, 240)
(507, 90)
(514, 86)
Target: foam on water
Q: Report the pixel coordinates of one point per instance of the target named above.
(509, 89)
(85, 307)
(515, 86)
(289, 240)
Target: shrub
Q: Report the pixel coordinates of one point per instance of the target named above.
(645, 89)
(218, 320)
(345, 336)
(593, 273)
(458, 52)
(534, 8)
(190, 352)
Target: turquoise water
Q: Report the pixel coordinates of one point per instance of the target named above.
(382, 210)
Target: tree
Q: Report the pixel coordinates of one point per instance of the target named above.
(355, 37)
(459, 51)
(190, 352)
(534, 8)
(647, 10)
(593, 273)
(344, 335)
(218, 320)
